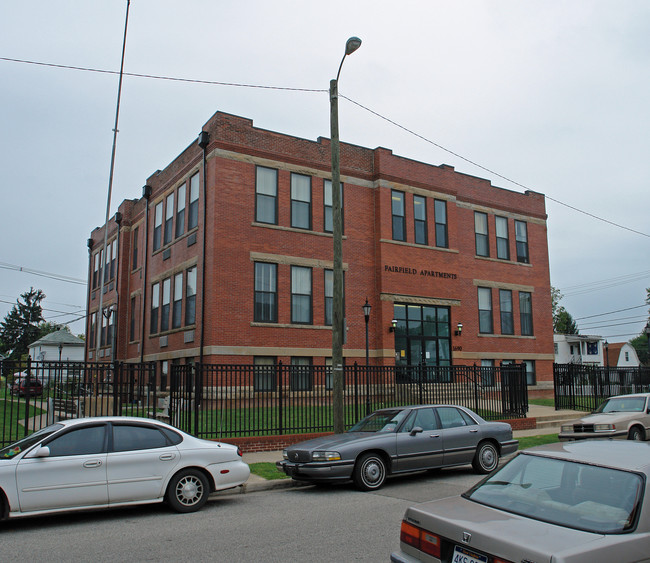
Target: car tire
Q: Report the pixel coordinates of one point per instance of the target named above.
(636, 434)
(486, 458)
(370, 472)
(188, 491)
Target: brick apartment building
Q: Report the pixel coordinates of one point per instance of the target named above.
(227, 258)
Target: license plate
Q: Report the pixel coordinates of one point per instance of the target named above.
(462, 555)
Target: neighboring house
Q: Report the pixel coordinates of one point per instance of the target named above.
(578, 349)
(55, 347)
(622, 355)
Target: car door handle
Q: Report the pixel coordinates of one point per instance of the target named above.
(93, 463)
(434, 435)
(166, 457)
(474, 430)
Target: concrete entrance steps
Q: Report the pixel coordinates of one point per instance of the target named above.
(548, 420)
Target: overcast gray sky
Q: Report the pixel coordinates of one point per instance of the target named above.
(551, 95)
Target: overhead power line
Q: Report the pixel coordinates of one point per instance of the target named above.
(322, 90)
(610, 312)
(58, 277)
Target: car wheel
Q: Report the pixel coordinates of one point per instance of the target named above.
(188, 491)
(369, 472)
(486, 458)
(636, 433)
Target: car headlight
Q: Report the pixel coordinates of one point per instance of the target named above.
(567, 428)
(284, 454)
(603, 427)
(325, 456)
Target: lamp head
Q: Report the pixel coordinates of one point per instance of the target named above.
(366, 309)
(352, 45)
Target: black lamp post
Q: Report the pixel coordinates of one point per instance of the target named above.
(366, 313)
(647, 333)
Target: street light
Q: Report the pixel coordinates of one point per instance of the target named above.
(366, 313)
(351, 46)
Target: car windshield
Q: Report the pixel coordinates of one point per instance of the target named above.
(623, 404)
(381, 421)
(566, 493)
(26, 443)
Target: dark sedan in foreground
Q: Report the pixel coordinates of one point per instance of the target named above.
(400, 440)
(573, 502)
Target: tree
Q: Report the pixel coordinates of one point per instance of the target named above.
(21, 325)
(563, 322)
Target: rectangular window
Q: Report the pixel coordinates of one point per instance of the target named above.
(102, 338)
(329, 296)
(420, 219)
(503, 240)
(132, 320)
(440, 212)
(155, 304)
(301, 375)
(169, 219)
(266, 195)
(93, 327)
(592, 348)
(107, 263)
(264, 373)
(190, 297)
(180, 211)
(266, 293)
(96, 269)
(521, 238)
(157, 226)
(481, 234)
(301, 286)
(505, 306)
(300, 201)
(531, 377)
(193, 212)
(110, 319)
(487, 373)
(113, 257)
(166, 301)
(328, 224)
(485, 310)
(134, 253)
(397, 211)
(178, 301)
(526, 313)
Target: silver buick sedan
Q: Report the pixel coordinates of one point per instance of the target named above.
(573, 502)
(90, 463)
(401, 440)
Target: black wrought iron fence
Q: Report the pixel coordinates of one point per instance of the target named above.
(584, 387)
(220, 401)
(35, 394)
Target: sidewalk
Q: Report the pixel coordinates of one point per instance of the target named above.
(544, 415)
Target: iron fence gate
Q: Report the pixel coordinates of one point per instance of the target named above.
(220, 401)
(584, 387)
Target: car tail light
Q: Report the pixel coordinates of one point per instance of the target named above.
(420, 539)
(239, 451)
(499, 560)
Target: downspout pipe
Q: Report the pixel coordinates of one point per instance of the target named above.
(146, 194)
(203, 140)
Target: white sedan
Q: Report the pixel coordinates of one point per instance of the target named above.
(90, 463)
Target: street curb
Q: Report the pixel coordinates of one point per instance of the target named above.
(262, 485)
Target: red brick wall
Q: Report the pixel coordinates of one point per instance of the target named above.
(367, 249)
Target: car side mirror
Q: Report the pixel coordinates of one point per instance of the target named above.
(416, 430)
(43, 451)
